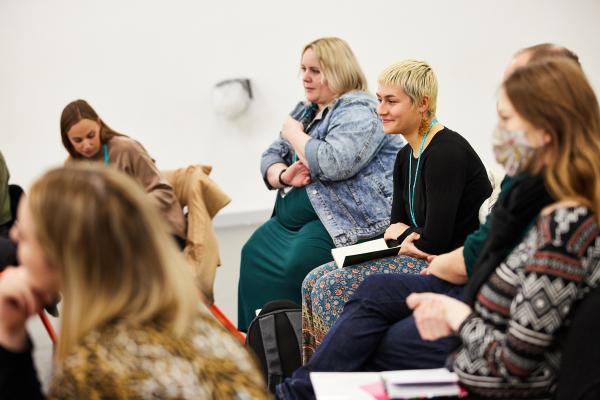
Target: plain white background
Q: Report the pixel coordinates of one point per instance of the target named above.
(148, 68)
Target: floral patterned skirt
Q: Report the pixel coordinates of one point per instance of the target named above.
(327, 288)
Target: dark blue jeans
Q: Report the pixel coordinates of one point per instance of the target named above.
(376, 332)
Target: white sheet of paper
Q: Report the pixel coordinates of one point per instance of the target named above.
(435, 375)
(343, 385)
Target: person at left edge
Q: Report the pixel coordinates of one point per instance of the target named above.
(8, 250)
(87, 137)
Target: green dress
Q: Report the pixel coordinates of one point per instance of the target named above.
(280, 253)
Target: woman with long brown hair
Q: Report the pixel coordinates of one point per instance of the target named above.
(132, 323)
(516, 308)
(87, 137)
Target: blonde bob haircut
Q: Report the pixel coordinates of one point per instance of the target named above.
(339, 66)
(416, 78)
(112, 252)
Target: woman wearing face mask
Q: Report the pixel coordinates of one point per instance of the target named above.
(439, 186)
(332, 167)
(87, 137)
(515, 308)
(510, 344)
(132, 324)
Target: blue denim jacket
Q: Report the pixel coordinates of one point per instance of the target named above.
(351, 161)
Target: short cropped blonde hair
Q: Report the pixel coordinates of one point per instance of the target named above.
(416, 78)
(338, 65)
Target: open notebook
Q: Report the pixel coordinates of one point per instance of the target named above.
(371, 250)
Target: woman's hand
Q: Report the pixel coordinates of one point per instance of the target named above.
(293, 132)
(296, 175)
(449, 267)
(18, 300)
(437, 315)
(394, 230)
(290, 129)
(408, 248)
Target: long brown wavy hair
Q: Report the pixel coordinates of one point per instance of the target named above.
(554, 94)
(74, 112)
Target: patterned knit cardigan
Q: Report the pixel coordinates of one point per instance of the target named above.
(512, 341)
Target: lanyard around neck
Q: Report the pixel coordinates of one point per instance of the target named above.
(105, 147)
(411, 193)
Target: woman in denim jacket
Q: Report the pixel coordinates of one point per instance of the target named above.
(332, 166)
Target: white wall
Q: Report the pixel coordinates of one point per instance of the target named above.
(148, 68)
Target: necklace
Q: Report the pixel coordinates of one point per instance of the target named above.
(411, 193)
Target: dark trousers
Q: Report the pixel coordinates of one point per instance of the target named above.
(376, 332)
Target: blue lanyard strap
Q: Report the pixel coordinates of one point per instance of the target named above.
(105, 147)
(411, 193)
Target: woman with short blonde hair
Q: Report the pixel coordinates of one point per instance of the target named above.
(417, 79)
(439, 185)
(131, 317)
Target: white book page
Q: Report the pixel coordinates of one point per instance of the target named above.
(435, 375)
(343, 385)
(340, 253)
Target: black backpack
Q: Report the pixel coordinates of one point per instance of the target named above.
(275, 336)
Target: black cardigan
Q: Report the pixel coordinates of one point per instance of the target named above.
(451, 185)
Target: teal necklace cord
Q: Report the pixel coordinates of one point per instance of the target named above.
(105, 147)
(411, 193)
